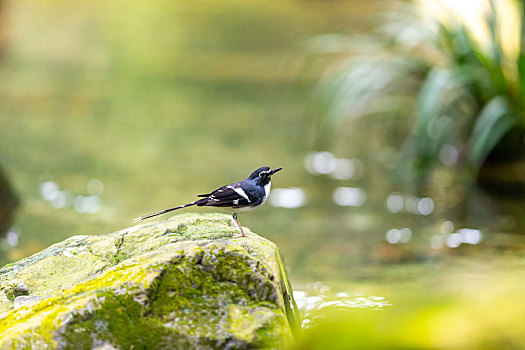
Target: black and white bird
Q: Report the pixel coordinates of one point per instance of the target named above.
(240, 197)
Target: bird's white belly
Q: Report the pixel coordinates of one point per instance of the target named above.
(245, 209)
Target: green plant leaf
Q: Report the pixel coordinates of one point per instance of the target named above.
(521, 56)
(439, 90)
(492, 123)
(357, 85)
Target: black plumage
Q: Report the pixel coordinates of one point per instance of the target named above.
(241, 196)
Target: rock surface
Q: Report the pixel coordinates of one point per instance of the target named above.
(184, 283)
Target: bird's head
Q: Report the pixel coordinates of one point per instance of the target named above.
(263, 174)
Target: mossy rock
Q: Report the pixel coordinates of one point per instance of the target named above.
(185, 283)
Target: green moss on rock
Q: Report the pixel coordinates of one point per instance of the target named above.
(184, 283)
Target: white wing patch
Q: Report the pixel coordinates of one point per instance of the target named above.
(240, 192)
(235, 202)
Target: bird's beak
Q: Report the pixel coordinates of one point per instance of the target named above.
(274, 171)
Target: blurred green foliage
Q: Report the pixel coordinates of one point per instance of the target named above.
(455, 69)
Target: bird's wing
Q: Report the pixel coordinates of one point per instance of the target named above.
(227, 196)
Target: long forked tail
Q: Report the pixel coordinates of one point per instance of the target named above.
(163, 212)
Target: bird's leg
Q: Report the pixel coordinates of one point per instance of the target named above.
(238, 224)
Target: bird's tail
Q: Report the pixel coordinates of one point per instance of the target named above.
(163, 211)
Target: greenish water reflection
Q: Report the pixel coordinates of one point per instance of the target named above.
(112, 110)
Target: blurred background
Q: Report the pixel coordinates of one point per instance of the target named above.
(399, 125)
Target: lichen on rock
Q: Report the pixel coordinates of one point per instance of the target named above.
(184, 283)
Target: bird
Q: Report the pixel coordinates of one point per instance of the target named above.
(240, 197)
